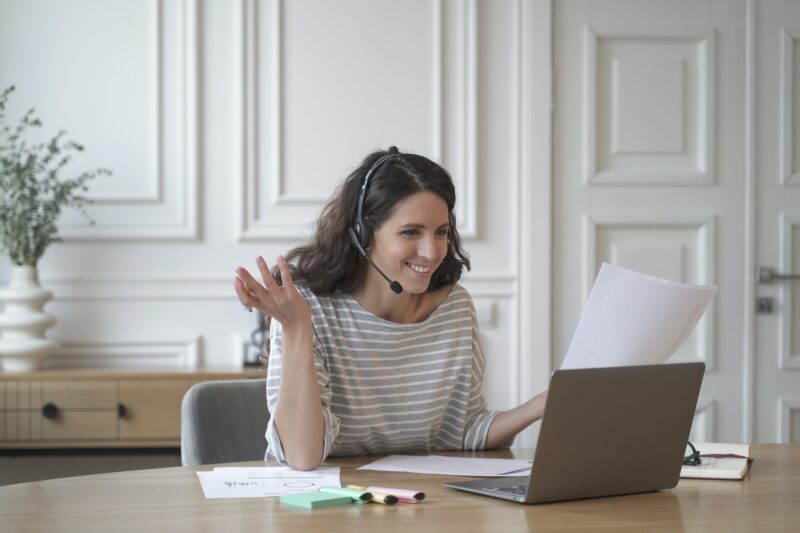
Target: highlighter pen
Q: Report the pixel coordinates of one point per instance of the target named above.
(404, 495)
(358, 496)
(378, 497)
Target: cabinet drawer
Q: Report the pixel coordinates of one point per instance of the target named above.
(81, 425)
(152, 408)
(80, 394)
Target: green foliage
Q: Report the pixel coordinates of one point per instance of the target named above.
(31, 192)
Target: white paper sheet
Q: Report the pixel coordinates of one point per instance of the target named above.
(451, 466)
(634, 319)
(259, 482)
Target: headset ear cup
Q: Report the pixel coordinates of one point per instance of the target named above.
(365, 236)
(357, 234)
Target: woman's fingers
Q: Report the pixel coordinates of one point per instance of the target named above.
(255, 288)
(244, 295)
(286, 274)
(249, 282)
(266, 275)
(278, 301)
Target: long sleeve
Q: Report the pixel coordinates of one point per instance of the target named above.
(331, 429)
(479, 418)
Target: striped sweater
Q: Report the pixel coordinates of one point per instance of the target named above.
(388, 387)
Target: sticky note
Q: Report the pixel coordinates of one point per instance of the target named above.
(314, 500)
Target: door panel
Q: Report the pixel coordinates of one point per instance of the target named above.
(648, 169)
(777, 343)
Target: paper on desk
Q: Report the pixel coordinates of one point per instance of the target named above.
(258, 482)
(634, 319)
(451, 466)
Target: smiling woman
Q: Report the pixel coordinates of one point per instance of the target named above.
(375, 347)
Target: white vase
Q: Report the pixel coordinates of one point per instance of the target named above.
(23, 345)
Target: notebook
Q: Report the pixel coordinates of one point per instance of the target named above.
(605, 432)
(714, 466)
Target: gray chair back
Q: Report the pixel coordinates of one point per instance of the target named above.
(224, 422)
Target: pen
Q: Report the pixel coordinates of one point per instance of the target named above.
(404, 495)
(378, 497)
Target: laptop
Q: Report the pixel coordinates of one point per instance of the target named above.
(606, 432)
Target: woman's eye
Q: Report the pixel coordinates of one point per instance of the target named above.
(411, 232)
(442, 233)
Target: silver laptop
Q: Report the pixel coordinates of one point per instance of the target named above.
(606, 432)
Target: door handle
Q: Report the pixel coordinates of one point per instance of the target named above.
(768, 275)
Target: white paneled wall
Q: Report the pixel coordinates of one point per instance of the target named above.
(227, 125)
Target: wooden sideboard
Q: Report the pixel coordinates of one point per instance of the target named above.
(85, 408)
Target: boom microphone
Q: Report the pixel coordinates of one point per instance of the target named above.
(395, 286)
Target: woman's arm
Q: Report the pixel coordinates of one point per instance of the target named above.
(297, 412)
(507, 424)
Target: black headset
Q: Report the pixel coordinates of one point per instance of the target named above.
(360, 231)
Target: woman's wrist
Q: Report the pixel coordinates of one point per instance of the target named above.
(539, 402)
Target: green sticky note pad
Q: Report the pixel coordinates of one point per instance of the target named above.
(314, 500)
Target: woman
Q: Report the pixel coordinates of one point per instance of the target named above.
(375, 348)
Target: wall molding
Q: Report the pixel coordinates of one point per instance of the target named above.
(749, 267)
(705, 417)
(141, 354)
(212, 286)
(154, 194)
(789, 173)
(786, 404)
(644, 176)
(788, 222)
(179, 208)
(251, 224)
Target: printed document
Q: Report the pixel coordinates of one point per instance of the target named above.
(451, 466)
(634, 319)
(258, 482)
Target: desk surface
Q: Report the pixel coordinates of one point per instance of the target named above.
(170, 499)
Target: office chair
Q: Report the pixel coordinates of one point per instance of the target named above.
(224, 422)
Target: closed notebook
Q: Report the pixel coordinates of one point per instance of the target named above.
(718, 467)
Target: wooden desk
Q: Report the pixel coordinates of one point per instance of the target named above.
(170, 499)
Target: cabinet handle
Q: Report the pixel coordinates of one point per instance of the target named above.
(49, 410)
(121, 410)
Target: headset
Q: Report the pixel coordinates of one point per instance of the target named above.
(360, 231)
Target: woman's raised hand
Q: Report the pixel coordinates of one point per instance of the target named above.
(284, 302)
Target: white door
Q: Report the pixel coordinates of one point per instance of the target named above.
(649, 170)
(777, 342)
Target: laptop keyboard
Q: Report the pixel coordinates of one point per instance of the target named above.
(515, 490)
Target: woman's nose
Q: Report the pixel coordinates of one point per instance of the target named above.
(427, 248)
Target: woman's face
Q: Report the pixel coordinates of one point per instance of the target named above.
(411, 244)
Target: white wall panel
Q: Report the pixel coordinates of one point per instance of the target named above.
(228, 125)
(127, 72)
(300, 95)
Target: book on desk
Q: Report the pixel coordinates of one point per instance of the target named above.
(732, 465)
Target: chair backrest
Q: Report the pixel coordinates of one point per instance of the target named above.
(224, 421)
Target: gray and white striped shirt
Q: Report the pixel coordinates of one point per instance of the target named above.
(388, 387)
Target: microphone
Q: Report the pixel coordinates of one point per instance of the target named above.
(394, 285)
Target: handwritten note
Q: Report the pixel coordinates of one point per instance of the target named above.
(260, 482)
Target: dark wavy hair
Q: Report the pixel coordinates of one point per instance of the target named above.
(330, 261)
